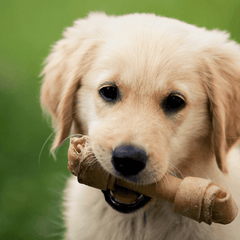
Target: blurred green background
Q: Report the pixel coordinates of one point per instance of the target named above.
(31, 188)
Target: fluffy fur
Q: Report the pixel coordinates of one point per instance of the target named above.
(147, 57)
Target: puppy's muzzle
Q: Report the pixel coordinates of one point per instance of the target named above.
(128, 160)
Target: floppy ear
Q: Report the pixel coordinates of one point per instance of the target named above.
(223, 87)
(68, 62)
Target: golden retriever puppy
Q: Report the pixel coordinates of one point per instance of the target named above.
(156, 96)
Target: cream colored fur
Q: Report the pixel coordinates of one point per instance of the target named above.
(148, 57)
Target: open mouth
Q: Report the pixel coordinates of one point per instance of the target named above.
(125, 200)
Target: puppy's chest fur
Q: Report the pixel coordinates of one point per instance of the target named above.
(156, 225)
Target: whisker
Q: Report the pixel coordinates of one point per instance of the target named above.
(54, 152)
(172, 166)
(70, 136)
(39, 156)
(89, 165)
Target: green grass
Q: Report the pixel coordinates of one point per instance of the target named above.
(31, 188)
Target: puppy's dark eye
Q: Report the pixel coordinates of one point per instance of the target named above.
(173, 103)
(109, 93)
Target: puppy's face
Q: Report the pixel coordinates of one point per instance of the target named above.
(155, 95)
(143, 104)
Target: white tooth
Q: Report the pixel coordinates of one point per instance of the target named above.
(141, 196)
(111, 193)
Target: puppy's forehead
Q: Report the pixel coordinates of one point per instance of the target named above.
(149, 61)
(161, 76)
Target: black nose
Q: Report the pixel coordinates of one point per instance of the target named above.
(129, 160)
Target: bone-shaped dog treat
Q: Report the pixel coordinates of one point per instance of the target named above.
(197, 198)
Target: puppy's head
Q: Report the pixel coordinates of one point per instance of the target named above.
(154, 94)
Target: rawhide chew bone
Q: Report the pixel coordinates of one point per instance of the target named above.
(197, 198)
